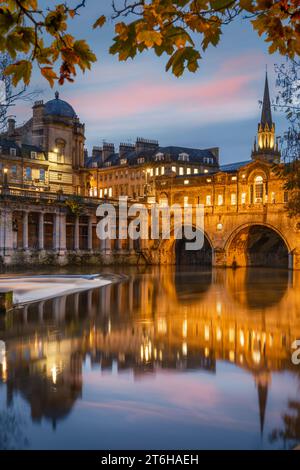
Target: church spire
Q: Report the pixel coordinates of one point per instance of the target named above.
(266, 114)
(266, 148)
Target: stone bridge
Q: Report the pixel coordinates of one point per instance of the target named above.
(245, 223)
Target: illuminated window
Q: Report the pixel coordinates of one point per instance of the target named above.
(243, 198)
(188, 171)
(173, 169)
(220, 199)
(258, 188)
(233, 199)
(208, 200)
(28, 173)
(151, 172)
(196, 171)
(156, 171)
(123, 161)
(181, 171)
(162, 170)
(185, 200)
(186, 181)
(273, 199)
(101, 193)
(109, 192)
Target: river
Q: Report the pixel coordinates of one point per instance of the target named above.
(165, 359)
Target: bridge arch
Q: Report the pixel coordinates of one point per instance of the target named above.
(257, 244)
(173, 251)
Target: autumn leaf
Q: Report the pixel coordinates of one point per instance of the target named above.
(21, 70)
(149, 38)
(49, 74)
(100, 22)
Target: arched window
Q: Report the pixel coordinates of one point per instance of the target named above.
(258, 189)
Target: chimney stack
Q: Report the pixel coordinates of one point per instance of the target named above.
(125, 148)
(145, 144)
(11, 126)
(107, 150)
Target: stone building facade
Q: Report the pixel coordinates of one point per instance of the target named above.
(133, 170)
(53, 135)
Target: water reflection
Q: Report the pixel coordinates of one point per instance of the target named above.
(154, 323)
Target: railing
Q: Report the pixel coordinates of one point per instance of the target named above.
(22, 193)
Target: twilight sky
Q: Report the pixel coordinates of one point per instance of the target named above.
(216, 106)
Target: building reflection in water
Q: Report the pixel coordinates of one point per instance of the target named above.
(160, 319)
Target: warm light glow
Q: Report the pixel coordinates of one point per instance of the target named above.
(206, 352)
(184, 349)
(184, 328)
(161, 325)
(242, 338)
(55, 150)
(54, 374)
(219, 334)
(4, 369)
(231, 335)
(186, 181)
(5, 170)
(206, 333)
(219, 308)
(231, 356)
(256, 356)
(206, 170)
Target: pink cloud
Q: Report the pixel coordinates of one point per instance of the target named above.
(141, 98)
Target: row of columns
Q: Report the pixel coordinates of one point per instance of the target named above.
(59, 233)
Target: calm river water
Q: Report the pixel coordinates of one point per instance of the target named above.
(166, 359)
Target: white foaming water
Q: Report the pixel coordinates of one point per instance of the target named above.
(34, 288)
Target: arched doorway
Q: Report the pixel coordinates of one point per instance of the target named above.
(202, 257)
(257, 245)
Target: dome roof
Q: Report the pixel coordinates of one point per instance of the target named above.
(58, 107)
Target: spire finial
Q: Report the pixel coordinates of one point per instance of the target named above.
(266, 114)
(56, 95)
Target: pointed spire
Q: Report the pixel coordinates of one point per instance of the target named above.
(266, 114)
(262, 400)
(262, 381)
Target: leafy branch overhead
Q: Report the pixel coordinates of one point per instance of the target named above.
(180, 29)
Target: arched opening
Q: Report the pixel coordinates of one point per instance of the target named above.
(258, 189)
(259, 246)
(183, 256)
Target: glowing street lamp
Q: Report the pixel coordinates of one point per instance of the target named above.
(5, 180)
